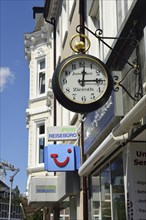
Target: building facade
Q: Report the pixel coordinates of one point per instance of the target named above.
(16, 211)
(111, 180)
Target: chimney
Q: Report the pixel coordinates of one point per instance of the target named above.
(37, 12)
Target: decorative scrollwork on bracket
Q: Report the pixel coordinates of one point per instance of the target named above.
(98, 32)
(133, 66)
(117, 84)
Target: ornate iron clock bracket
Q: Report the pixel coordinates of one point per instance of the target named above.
(135, 66)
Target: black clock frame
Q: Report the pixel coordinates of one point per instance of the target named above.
(79, 107)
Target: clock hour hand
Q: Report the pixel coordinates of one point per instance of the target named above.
(81, 81)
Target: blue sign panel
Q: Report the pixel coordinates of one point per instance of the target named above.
(77, 157)
(96, 122)
(62, 157)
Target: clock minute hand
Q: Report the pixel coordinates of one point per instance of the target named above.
(98, 81)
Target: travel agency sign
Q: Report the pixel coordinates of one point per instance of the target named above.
(62, 133)
(62, 157)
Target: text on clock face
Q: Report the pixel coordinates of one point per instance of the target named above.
(83, 82)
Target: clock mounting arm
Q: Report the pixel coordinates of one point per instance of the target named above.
(134, 67)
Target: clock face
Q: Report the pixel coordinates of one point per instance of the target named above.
(83, 80)
(81, 83)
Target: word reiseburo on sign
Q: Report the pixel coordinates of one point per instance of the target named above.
(62, 133)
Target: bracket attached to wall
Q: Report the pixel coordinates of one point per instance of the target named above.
(135, 66)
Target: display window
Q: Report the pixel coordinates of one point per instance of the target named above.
(106, 192)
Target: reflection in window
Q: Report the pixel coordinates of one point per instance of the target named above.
(122, 9)
(41, 149)
(64, 26)
(118, 195)
(105, 194)
(41, 141)
(41, 77)
(96, 197)
(42, 64)
(42, 82)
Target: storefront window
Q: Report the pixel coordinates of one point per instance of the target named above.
(107, 192)
(96, 197)
(118, 195)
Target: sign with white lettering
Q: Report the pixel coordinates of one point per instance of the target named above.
(62, 133)
(98, 121)
(136, 181)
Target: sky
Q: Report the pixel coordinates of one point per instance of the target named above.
(16, 18)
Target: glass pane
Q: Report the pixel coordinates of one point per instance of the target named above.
(42, 82)
(41, 129)
(41, 150)
(42, 64)
(95, 197)
(105, 194)
(118, 194)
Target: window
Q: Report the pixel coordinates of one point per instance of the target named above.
(94, 22)
(107, 192)
(64, 21)
(96, 197)
(41, 77)
(71, 7)
(94, 13)
(118, 195)
(122, 9)
(41, 141)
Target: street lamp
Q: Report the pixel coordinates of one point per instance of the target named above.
(11, 184)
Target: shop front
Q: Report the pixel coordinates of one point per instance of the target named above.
(116, 168)
(117, 190)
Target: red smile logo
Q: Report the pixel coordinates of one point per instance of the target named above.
(61, 164)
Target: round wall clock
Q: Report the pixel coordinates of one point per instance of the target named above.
(82, 83)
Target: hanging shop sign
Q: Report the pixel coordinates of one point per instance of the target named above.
(62, 157)
(136, 181)
(62, 133)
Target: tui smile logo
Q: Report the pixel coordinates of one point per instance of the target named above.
(61, 157)
(61, 164)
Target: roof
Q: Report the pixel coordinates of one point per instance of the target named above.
(2, 185)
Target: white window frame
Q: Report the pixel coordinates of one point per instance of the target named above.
(64, 22)
(38, 137)
(71, 8)
(39, 72)
(123, 7)
(93, 20)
